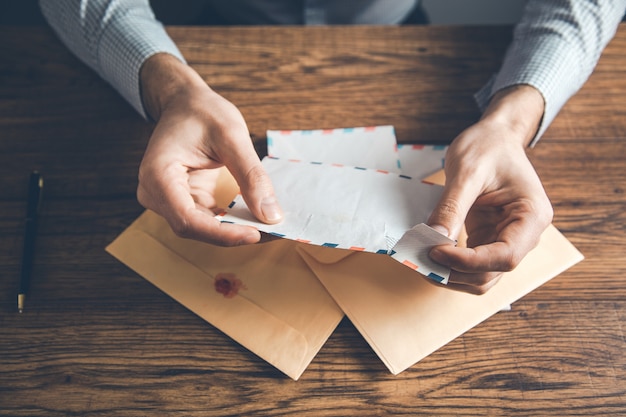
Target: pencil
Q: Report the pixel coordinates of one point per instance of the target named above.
(35, 188)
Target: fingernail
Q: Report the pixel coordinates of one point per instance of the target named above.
(438, 256)
(249, 239)
(270, 209)
(441, 229)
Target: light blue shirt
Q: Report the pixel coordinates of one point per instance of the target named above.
(555, 48)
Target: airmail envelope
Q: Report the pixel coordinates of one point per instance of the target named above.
(370, 147)
(403, 317)
(343, 206)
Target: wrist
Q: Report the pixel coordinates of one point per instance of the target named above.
(520, 109)
(163, 78)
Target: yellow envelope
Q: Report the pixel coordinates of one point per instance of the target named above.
(263, 296)
(437, 178)
(404, 317)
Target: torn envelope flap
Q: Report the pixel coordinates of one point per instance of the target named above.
(413, 248)
(341, 206)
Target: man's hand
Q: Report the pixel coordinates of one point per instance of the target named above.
(492, 187)
(197, 131)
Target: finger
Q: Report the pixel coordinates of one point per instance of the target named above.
(493, 257)
(478, 282)
(256, 187)
(169, 196)
(517, 236)
(451, 210)
(199, 224)
(473, 287)
(457, 282)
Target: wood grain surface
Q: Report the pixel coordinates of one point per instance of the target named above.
(98, 340)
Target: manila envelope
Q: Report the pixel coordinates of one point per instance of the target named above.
(263, 296)
(404, 317)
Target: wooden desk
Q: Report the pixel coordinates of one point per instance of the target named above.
(98, 340)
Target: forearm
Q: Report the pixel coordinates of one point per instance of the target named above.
(519, 109)
(164, 79)
(113, 37)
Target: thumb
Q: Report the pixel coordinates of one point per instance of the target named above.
(449, 215)
(257, 189)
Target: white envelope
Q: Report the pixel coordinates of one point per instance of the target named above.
(420, 161)
(368, 147)
(341, 206)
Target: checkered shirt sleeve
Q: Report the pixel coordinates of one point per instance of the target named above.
(555, 48)
(114, 37)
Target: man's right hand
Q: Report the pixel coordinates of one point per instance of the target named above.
(197, 132)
